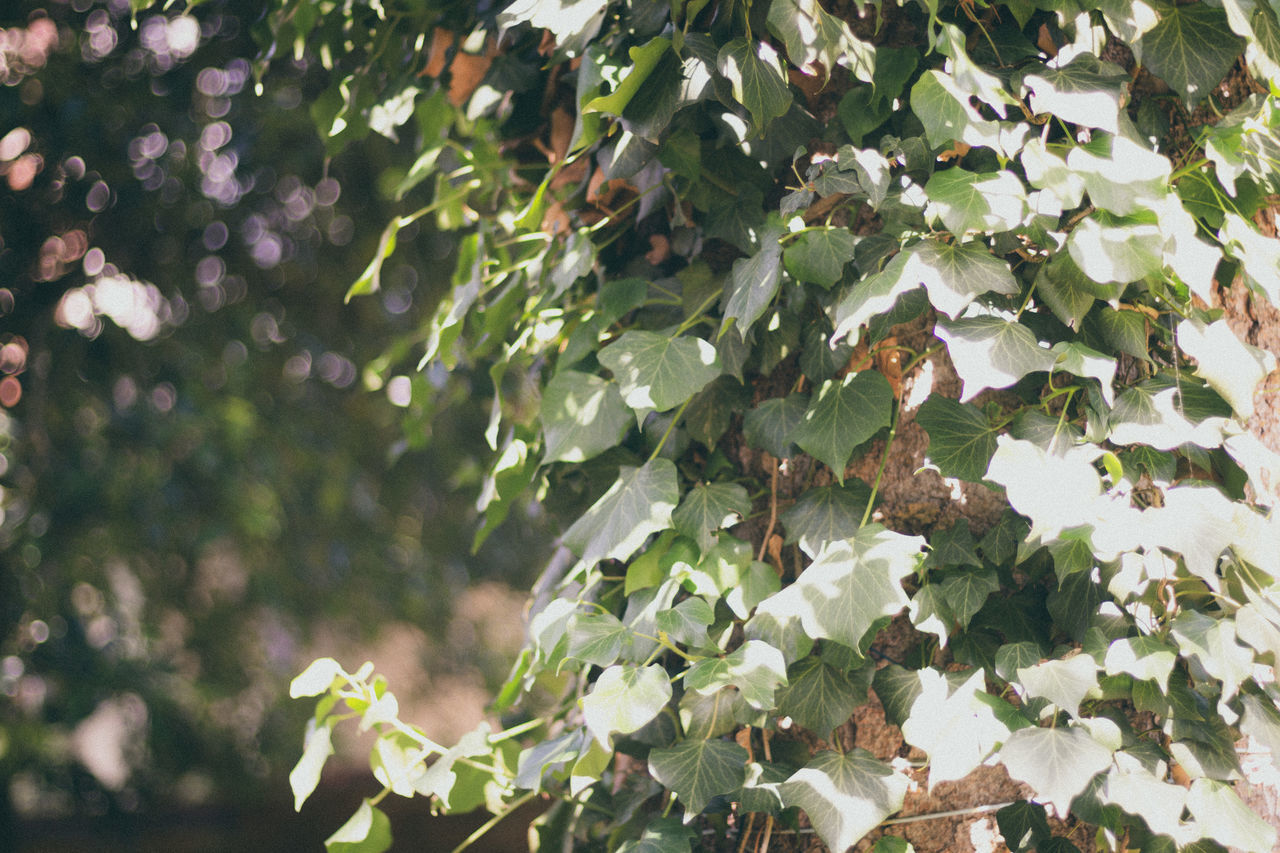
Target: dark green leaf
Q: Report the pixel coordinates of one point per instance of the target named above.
(758, 80)
(1001, 542)
(845, 414)
(772, 425)
(966, 591)
(819, 696)
(711, 410)
(708, 508)
(953, 546)
(1074, 602)
(697, 770)
(1191, 49)
(897, 690)
(1067, 291)
(1125, 331)
(961, 441)
(826, 514)
(664, 835)
(753, 282)
(820, 256)
(1023, 825)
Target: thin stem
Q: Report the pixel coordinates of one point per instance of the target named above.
(380, 796)
(494, 821)
(670, 427)
(938, 815)
(884, 460)
(773, 513)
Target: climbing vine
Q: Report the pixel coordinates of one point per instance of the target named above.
(721, 260)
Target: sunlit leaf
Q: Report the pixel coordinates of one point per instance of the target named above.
(991, 353)
(708, 508)
(758, 80)
(753, 282)
(698, 770)
(1057, 763)
(755, 668)
(658, 372)
(639, 503)
(623, 699)
(367, 831)
(1064, 682)
(845, 796)
(582, 415)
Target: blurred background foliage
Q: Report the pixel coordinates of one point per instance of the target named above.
(211, 470)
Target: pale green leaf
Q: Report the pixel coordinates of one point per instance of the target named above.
(819, 696)
(1085, 91)
(317, 678)
(826, 514)
(688, 621)
(624, 699)
(1077, 359)
(817, 41)
(874, 295)
(1230, 366)
(844, 414)
(1065, 682)
(1120, 175)
(598, 638)
(845, 796)
(819, 256)
(952, 725)
(991, 353)
(582, 415)
(954, 274)
(1024, 468)
(961, 440)
(304, 777)
(943, 108)
(757, 77)
(708, 508)
(1151, 414)
(644, 59)
(850, 585)
(664, 835)
(638, 504)
(968, 201)
(1258, 255)
(547, 755)
(755, 668)
(753, 282)
(367, 831)
(1211, 644)
(1117, 249)
(1158, 803)
(658, 372)
(1191, 49)
(1223, 817)
(758, 583)
(1047, 171)
(1144, 658)
(772, 425)
(1057, 763)
(697, 770)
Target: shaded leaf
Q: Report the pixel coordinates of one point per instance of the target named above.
(753, 282)
(759, 83)
(961, 440)
(818, 696)
(772, 425)
(582, 415)
(708, 508)
(844, 414)
(1191, 49)
(826, 514)
(820, 256)
(697, 770)
(658, 372)
(639, 503)
(966, 591)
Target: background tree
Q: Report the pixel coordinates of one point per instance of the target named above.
(991, 498)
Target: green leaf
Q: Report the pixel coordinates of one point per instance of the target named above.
(1191, 49)
(1023, 825)
(966, 201)
(644, 58)
(1013, 657)
(624, 699)
(368, 831)
(708, 508)
(658, 372)
(1077, 359)
(317, 678)
(826, 514)
(818, 360)
(991, 353)
(317, 747)
(1064, 682)
(1125, 331)
(1144, 658)
(1121, 175)
(961, 440)
(757, 77)
(943, 108)
(755, 668)
(820, 256)
(711, 410)
(697, 770)
(845, 796)
(844, 414)
(772, 425)
(892, 844)
(758, 583)
(638, 504)
(1085, 91)
(1158, 803)
(688, 621)
(966, 591)
(1067, 291)
(1149, 413)
(760, 791)
(370, 281)
(660, 836)
(851, 585)
(1230, 366)
(816, 40)
(953, 725)
(897, 689)
(1000, 544)
(547, 755)
(598, 638)
(1222, 816)
(1117, 249)
(953, 274)
(582, 415)
(818, 696)
(1211, 643)
(953, 546)
(1057, 763)
(753, 282)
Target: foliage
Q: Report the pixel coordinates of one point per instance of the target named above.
(673, 213)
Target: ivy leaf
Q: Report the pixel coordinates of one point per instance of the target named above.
(961, 440)
(1150, 414)
(1077, 359)
(598, 638)
(991, 353)
(368, 831)
(758, 583)
(1085, 91)
(760, 791)
(753, 282)
(664, 835)
(1064, 287)
(966, 591)
(1120, 175)
(1230, 366)
(688, 621)
(317, 747)
(755, 668)
(1125, 331)
(772, 425)
(1212, 644)
(708, 508)
(624, 699)
(639, 503)
(1144, 658)
(574, 23)
(658, 372)
(758, 80)
(1138, 792)
(953, 726)
(1023, 825)
(943, 108)
(954, 274)
(872, 296)
(826, 514)
(967, 201)
(819, 256)
(711, 410)
(1057, 763)
(897, 689)
(582, 415)
(818, 696)
(845, 413)
(815, 39)
(845, 796)
(1117, 249)
(850, 585)
(1000, 544)
(644, 59)
(698, 770)
(1191, 49)
(1064, 682)
(1222, 816)
(953, 546)
(535, 761)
